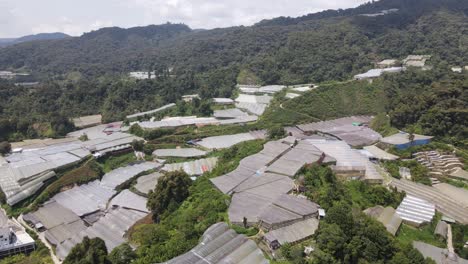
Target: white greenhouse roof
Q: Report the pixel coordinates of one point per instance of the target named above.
(118, 176)
(179, 152)
(220, 244)
(293, 233)
(229, 113)
(226, 141)
(129, 200)
(148, 182)
(402, 138)
(196, 167)
(380, 154)
(416, 210)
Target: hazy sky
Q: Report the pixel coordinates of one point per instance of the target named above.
(23, 17)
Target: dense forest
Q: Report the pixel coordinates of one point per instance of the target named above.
(88, 74)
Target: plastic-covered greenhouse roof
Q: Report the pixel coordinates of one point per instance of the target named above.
(110, 228)
(148, 182)
(27, 170)
(229, 113)
(239, 120)
(254, 108)
(349, 129)
(226, 141)
(179, 152)
(295, 232)
(448, 206)
(196, 167)
(129, 200)
(118, 176)
(220, 244)
(86, 198)
(179, 121)
(416, 210)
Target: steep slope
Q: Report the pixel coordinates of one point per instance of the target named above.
(316, 47)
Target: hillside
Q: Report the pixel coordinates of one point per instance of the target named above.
(316, 47)
(87, 75)
(40, 36)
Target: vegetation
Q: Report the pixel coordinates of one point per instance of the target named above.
(171, 190)
(89, 251)
(347, 235)
(5, 147)
(109, 163)
(331, 45)
(419, 173)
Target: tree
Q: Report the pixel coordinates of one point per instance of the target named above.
(138, 145)
(89, 251)
(136, 130)
(122, 254)
(276, 132)
(171, 190)
(5, 147)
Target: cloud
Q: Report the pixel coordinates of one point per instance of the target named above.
(75, 17)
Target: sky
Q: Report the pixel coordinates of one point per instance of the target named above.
(74, 17)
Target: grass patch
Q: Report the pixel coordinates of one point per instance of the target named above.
(407, 234)
(113, 162)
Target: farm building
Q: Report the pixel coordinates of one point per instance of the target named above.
(220, 244)
(448, 206)
(118, 176)
(387, 63)
(387, 216)
(353, 130)
(193, 168)
(148, 182)
(229, 113)
(227, 141)
(380, 154)
(223, 101)
(418, 61)
(439, 255)
(415, 211)
(179, 152)
(260, 195)
(401, 140)
(292, 233)
(179, 121)
(13, 238)
(375, 73)
(350, 163)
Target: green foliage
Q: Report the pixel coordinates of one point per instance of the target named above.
(365, 195)
(171, 190)
(179, 231)
(84, 137)
(381, 124)
(419, 173)
(340, 99)
(109, 163)
(459, 237)
(89, 251)
(138, 145)
(122, 254)
(276, 132)
(407, 234)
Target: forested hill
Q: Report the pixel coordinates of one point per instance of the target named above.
(316, 47)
